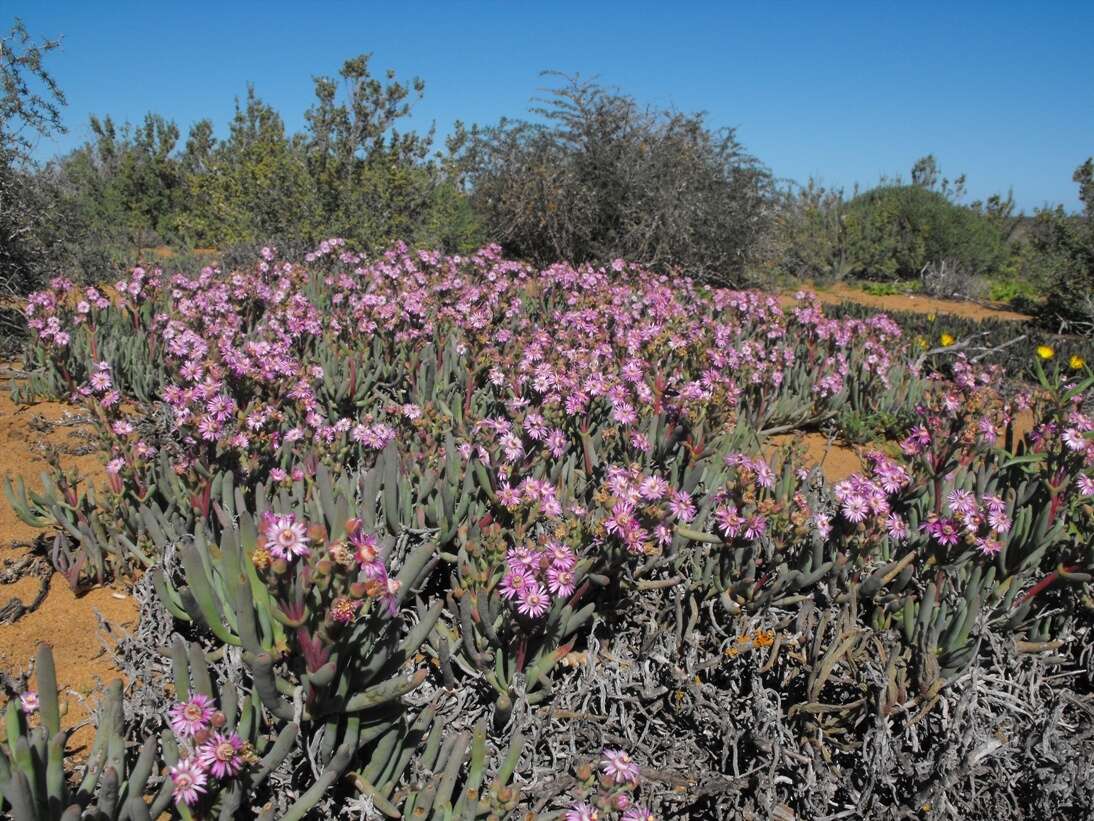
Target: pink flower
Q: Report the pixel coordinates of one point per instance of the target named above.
(729, 521)
(988, 547)
(221, 755)
(653, 488)
(561, 555)
(681, 506)
(583, 812)
(619, 766)
(534, 600)
(286, 538)
(944, 531)
(508, 497)
(187, 718)
(1086, 485)
(855, 509)
(1074, 440)
(755, 527)
(29, 701)
(560, 581)
(189, 781)
(638, 813)
(514, 582)
(897, 527)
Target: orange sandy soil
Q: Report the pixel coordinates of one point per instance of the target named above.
(911, 303)
(836, 461)
(66, 622)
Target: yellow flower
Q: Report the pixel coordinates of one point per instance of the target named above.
(946, 340)
(1076, 362)
(921, 341)
(1045, 352)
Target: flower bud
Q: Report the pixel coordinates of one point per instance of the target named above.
(219, 719)
(279, 566)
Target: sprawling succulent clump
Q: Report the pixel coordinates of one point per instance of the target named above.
(443, 512)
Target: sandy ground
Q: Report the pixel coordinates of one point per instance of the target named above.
(65, 621)
(911, 303)
(836, 461)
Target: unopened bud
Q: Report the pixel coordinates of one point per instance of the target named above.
(218, 720)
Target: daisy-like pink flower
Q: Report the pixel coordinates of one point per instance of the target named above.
(1086, 484)
(286, 538)
(513, 583)
(998, 520)
(534, 600)
(653, 488)
(855, 508)
(897, 527)
(561, 555)
(221, 755)
(619, 766)
(189, 781)
(765, 476)
(755, 527)
(988, 547)
(944, 531)
(367, 548)
(187, 718)
(1074, 439)
(560, 581)
(583, 812)
(962, 502)
(508, 497)
(917, 441)
(729, 521)
(638, 813)
(681, 506)
(29, 701)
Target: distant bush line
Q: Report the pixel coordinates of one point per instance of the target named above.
(592, 175)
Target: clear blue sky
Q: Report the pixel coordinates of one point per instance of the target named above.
(845, 92)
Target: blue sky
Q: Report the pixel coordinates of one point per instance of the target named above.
(845, 92)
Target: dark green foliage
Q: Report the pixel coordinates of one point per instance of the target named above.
(1066, 245)
(895, 231)
(600, 177)
(30, 106)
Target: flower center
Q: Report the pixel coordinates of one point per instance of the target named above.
(225, 751)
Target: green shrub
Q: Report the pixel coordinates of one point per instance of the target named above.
(894, 231)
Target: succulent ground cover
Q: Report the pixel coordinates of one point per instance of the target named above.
(452, 537)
